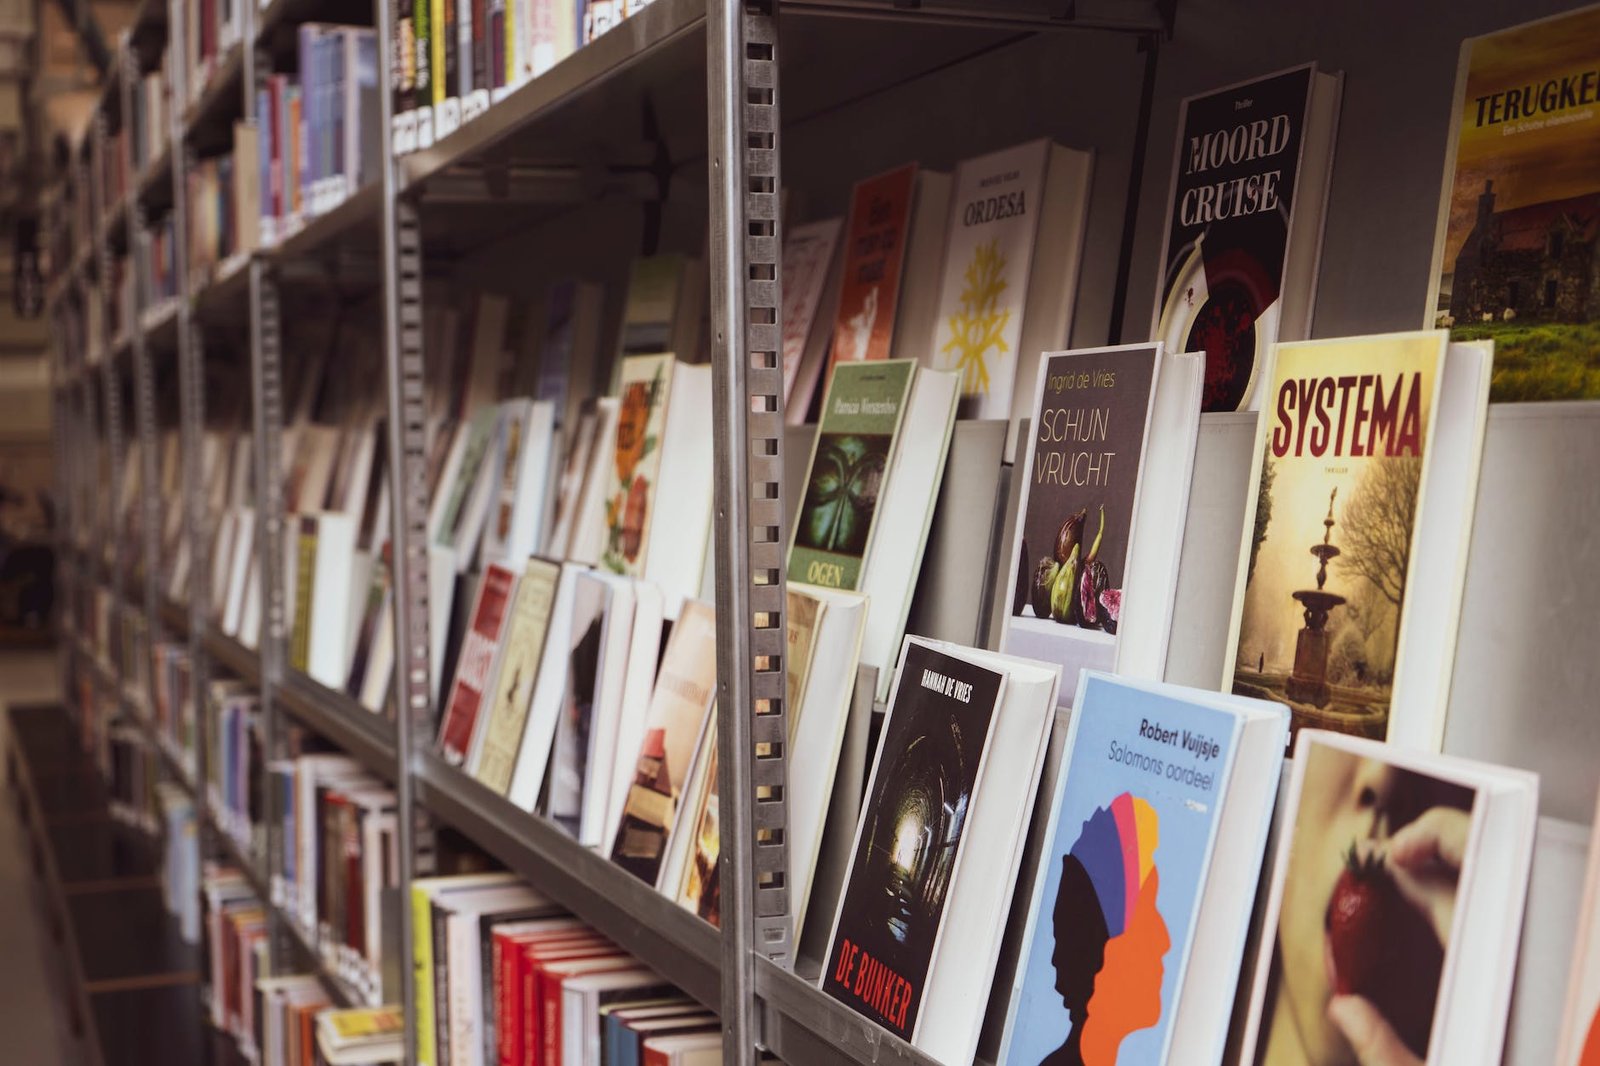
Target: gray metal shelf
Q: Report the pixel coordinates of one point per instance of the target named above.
(674, 942)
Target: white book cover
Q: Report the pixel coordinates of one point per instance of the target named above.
(330, 600)
(516, 512)
(548, 691)
(994, 222)
(808, 257)
(683, 492)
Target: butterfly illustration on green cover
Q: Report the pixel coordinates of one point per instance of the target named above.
(843, 492)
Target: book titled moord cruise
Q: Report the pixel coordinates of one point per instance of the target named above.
(1143, 892)
(1104, 493)
(861, 417)
(1244, 225)
(1355, 536)
(1515, 257)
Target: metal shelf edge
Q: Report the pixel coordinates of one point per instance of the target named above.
(804, 1023)
(367, 737)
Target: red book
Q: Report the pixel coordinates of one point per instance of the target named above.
(508, 943)
(547, 977)
(475, 667)
(874, 256)
(523, 984)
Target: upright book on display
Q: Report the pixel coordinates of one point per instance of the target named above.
(918, 928)
(1580, 1025)
(1141, 902)
(477, 662)
(1514, 259)
(1105, 489)
(1395, 908)
(1010, 276)
(1355, 538)
(1244, 225)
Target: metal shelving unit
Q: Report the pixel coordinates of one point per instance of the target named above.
(713, 67)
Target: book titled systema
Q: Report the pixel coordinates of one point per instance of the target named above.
(938, 844)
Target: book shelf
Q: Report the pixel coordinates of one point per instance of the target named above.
(569, 141)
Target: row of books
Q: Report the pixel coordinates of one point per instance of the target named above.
(215, 199)
(340, 853)
(457, 58)
(318, 129)
(149, 126)
(505, 976)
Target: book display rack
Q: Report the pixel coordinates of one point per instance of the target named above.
(260, 200)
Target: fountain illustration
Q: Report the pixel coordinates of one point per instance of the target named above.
(1309, 681)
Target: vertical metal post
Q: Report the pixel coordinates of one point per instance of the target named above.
(266, 382)
(407, 422)
(742, 87)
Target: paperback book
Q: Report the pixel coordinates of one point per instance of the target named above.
(1355, 536)
(1244, 225)
(475, 666)
(1514, 257)
(644, 385)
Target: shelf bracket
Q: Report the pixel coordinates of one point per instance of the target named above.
(742, 86)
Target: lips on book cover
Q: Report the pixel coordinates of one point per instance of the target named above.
(1088, 433)
(1336, 505)
(1228, 226)
(1114, 911)
(909, 838)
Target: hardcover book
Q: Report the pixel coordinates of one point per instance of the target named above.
(1142, 897)
(1515, 257)
(476, 664)
(644, 385)
(855, 446)
(600, 616)
(1395, 907)
(989, 252)
(495, 755)
(1077, 510)
(678, 712)
(875, 247)
(1580, 1026)
(1244, 222)
(910, 836)
(1345, 585)
(808, 266)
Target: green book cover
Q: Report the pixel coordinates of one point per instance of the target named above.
(855, 444)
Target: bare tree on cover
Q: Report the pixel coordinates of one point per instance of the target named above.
(1375, 527)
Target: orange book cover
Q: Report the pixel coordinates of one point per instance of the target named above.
(874, 256)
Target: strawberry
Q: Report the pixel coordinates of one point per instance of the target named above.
(1383, 948)
(1355, 921)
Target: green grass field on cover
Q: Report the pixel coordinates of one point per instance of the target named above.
(1541, 361)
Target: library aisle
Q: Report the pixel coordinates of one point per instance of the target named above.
(35, 1026)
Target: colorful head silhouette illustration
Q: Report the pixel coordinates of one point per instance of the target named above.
(1109, 936)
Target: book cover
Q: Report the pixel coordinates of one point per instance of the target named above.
(524, 641)
(1080, 479)
(375, 611)
(304, 577)
(1364, 911)
(861, 416)
(1233, 196)
(1331, 525)
(701, 890)
(807, 253)
(874, 255)
(643, 387)
(802, 616)
(994, 219)
(1116, 899)
(591, 604)
(908, 841)
(1580, 1028)
(475, 664)
(1517, 252)
(678, 707)
(647, 320)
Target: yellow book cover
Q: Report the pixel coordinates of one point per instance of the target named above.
(1329, 531)
(422, 972)
(1517, 259)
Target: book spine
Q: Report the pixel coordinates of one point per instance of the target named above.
(422, 973)
(441, 985)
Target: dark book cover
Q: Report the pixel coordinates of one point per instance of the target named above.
(908, 841)
(1228, 220)
(1091, 411)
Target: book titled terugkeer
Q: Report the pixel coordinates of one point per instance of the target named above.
(1244, 225)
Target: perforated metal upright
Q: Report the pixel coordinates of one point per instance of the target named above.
(742, 88)
(408, 487)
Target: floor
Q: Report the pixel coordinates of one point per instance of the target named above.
(33, 1024)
